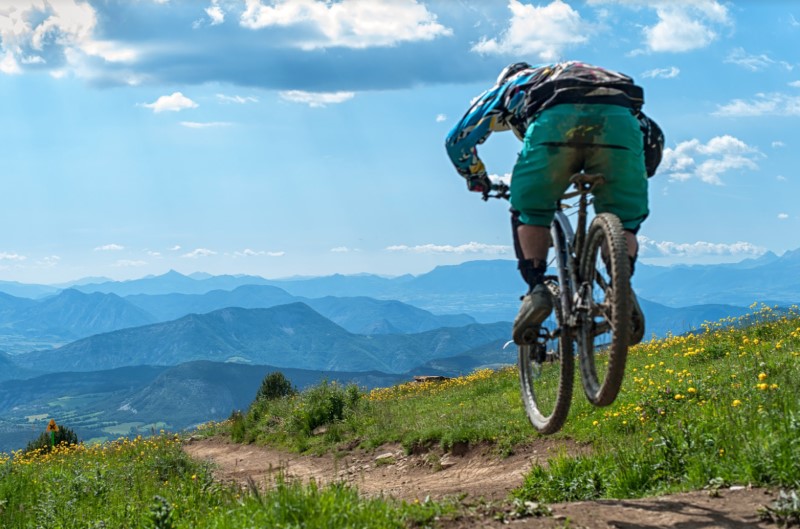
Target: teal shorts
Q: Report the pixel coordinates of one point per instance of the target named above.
(568, 138)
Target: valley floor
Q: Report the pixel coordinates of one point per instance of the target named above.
(482, 481)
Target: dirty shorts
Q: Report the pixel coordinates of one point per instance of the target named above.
(568, 138)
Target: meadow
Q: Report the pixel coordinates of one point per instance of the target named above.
(704, 410)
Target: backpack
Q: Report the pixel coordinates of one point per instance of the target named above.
(653, 143)
(576, 82)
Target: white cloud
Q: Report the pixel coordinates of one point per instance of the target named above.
(247, 252)
(205, 125)
(754, 63)
(174, 103)
(441, 117)
(340, 249)
(781, 178)
(663, 73)
(316, 99)
(41, 32)
(237, 99)
(470, 247)
(153, 253)
(48, 261)
(543, 31)
(795, 84)
(109, 248)
(128, 263)
(793, 21)
(6, 256)
(783, 216)
(348, 23)
(772, 104)
(199, 252)
(175, 248)
(215, 13)
(684, 25)
(9, 65)
(651, 248)
(276, 254)
(777, 144)
(708, 162)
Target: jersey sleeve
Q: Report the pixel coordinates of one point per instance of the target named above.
(485, 116)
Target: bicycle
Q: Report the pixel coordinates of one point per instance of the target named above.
(591, 308)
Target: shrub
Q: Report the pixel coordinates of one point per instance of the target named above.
(275, 386)
(44, 442)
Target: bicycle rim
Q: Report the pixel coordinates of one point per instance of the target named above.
(604, 330)
(547, 371)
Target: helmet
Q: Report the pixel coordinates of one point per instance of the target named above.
(510, 70)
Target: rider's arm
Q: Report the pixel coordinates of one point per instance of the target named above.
(484, 117)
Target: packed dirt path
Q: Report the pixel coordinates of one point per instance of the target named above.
(481, 481)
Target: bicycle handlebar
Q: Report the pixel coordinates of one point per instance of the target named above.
(584, 183)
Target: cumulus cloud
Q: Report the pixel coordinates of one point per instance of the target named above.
(199, 252)
(795, 84)
(175, 248)
(772, 104)
(276, 254)
(109, 248)
(469, 248)
(316, 99)
(340, 249)
(349, 23)
(40, 34)
(651, 248)
(685, 25)
(174, 102)
(215, 13)
(777, 144)
(241, 100)
(441, 117)
(543, 31)
(783, 216)
(781, 178)
(11, 256)
(205, 125)
(708, 161)
(663, 73)
(754, 63)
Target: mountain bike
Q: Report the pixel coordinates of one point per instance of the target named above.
(591, 308)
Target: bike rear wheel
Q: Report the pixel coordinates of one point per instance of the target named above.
(605, 327)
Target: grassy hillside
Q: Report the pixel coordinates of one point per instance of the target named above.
(695, 411)
(721, 405)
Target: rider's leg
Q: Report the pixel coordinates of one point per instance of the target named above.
(540, 177)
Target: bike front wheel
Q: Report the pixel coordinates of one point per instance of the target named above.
(605, 326)
(547, 371)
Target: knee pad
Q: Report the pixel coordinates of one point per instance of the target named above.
(533, 273)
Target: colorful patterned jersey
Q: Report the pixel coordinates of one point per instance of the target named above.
(515, 103)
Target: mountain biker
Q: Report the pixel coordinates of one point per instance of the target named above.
(571, 116)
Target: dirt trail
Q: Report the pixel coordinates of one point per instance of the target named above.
(482, 479)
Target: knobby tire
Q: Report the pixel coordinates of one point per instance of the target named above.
(543, 423)
(608, 301)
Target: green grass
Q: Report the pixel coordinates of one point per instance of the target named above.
(705, 410)
(152, 483)
(717, 406)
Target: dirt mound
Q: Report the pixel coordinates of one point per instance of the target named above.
(481, 479)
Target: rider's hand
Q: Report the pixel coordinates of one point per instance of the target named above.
(479, 184)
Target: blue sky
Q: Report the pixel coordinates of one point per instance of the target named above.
(305, 137)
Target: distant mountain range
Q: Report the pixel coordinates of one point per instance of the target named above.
(107, 404)
(291, 335)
